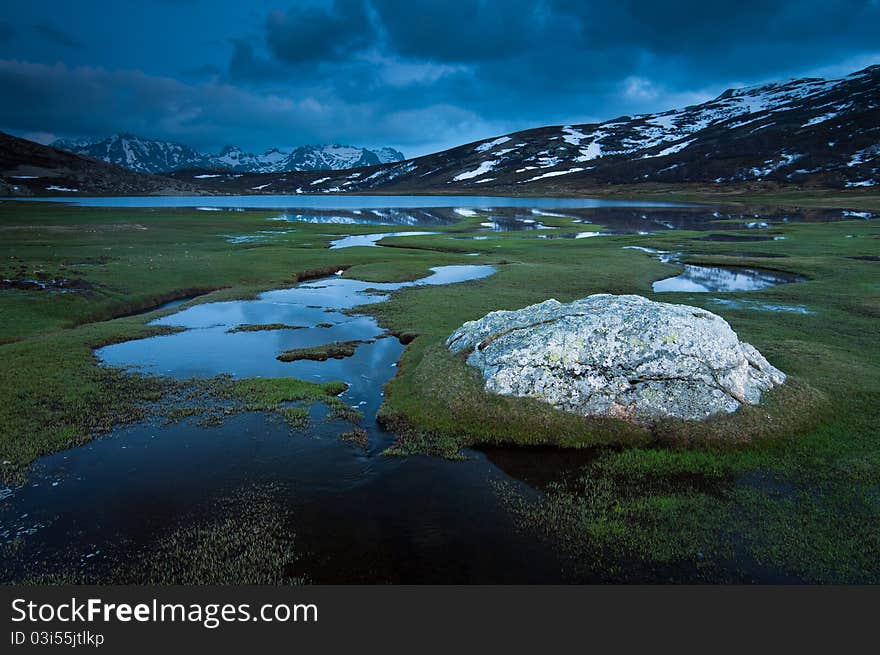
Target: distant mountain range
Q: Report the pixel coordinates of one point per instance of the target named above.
(806, 132)
(152, 156)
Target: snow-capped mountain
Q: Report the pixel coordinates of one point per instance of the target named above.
(337, 157)
(152, 156)
(135, 153)
(804, 131)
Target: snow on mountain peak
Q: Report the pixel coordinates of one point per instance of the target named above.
(156, 156)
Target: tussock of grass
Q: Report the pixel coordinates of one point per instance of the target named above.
(335, 350)
(245, 538)
(264, 327)
(297, 417)
(357, 436)
(271, 393)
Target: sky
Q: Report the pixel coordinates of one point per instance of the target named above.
(418, 75)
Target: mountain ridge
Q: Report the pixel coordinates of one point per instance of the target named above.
(28, 169)
(800, 133)
(805, 131)
(158, 156)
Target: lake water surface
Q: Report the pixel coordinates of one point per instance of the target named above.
(345, 202)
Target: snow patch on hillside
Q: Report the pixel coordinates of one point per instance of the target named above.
(483, 147)
(480, 170)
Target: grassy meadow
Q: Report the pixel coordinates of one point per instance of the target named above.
(787, 490)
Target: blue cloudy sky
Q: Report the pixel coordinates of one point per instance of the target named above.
(420, 75)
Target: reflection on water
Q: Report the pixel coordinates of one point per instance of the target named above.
(372, 239)
(358, 516)
(208, 348)
(512, 224)
(731, 303)
(541, 466)
(384, 216)
(346, 202)
(708, 279)
(503, 213)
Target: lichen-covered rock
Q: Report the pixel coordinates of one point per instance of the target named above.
(621, 356)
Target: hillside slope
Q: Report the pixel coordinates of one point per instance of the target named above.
(28, 169)
(809, 131)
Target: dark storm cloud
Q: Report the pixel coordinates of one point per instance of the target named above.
(572, 37)
(314, 32)
(521, 57)
(419, 75)
(55, 34)
(7, 32)
(466, 30)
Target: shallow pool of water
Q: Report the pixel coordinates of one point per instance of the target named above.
(711, 279)
(372, 239)
(209, 345)
(358, 516)
(753, 305)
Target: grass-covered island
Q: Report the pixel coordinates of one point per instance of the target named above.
(787, 490)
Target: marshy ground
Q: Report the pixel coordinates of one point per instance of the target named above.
(785, 491)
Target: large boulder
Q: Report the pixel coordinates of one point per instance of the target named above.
(620, 356)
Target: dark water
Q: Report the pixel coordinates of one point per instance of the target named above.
(359, 516)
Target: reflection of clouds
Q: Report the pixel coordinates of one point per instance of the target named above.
(207, 348)
(703, 279)
(372, 239)
(761, 306)
(383, 216)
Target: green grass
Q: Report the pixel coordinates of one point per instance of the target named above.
(134, 260)
(334, 350)
(791, 486)
(270, 393)
(263, 327)
(684, 506)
